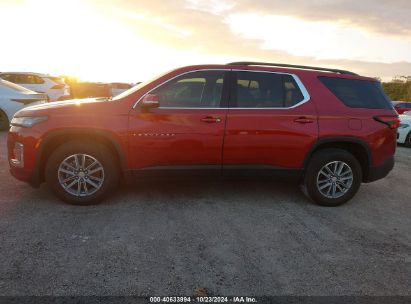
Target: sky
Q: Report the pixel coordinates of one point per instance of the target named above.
(134, 40)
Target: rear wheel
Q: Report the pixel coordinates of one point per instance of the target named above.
(407, 142)
(80, 173)
(4, 121)
(332, 178)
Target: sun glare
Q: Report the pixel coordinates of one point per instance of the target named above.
(101, 41)
(75, 38)
(321, 40)
(70, 38)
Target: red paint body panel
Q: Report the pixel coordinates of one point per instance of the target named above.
(85, 117)
(171, 137)
(179, 137)
(270, 136)
(336, 119)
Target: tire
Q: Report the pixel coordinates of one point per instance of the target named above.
(96, 181)
(407, 142)
(318, 183)
(4, 121)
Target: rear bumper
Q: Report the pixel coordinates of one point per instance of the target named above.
(381, 171)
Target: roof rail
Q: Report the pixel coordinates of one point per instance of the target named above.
(282, 65)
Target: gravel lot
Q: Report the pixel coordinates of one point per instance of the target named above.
(233, 238)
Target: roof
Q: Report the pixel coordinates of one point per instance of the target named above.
(293, 66)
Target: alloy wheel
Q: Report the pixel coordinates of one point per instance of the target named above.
(335, 179)
(81, 175)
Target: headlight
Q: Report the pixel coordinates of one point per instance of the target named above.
(27, 122)
(403, 126)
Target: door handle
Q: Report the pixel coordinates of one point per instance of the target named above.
(304, 120)
(210, 119)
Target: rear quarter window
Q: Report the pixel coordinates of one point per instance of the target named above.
(358, 93)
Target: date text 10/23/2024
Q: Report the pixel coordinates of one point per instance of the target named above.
(215, 299)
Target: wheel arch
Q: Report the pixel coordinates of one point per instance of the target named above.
(2, 111)
(355, 146)
(56, 138)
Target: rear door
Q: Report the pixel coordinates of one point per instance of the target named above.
(187, 130)
(271, 122)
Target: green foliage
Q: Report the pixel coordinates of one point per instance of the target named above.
(400, 91)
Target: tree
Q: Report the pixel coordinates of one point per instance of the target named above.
(399, 88)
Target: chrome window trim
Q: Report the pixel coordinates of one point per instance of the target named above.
(185, 73)
(191, 108)
(297, 79)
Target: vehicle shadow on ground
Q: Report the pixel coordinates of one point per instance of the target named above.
(180, 193)
(209, 192)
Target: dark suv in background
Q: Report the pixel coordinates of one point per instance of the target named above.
(328, 129)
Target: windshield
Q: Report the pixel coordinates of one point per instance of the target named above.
(15, 87)
(137, 87)
(130, 91)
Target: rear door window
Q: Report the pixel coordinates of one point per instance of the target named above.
(358, 93)
(265, 90)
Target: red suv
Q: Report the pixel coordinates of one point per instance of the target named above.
(328, 129)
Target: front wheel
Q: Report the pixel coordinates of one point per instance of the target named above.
(332, 178)
(82, 173)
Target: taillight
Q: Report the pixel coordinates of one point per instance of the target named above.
(391, 121)
(58, 87)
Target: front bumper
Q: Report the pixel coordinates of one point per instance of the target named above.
(25, 176)
(26, 173)
(381, 171)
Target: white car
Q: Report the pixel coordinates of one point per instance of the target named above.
(404, 131)
(54, 87)
(13, 98)
(119, 87)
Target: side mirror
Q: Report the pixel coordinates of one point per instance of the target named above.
(150, 101)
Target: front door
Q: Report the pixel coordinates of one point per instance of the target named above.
(187, 130)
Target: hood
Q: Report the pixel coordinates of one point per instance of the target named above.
(56, 107)
(71, 102)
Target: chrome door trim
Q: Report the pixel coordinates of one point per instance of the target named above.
(297, 79)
